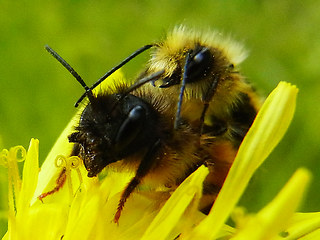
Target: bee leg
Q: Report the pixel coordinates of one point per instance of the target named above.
(183, 86)
(59, 184)
(206, 99)
(142, 171)
(177, 120)
(204, 110)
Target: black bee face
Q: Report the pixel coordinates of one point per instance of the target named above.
(199, 62)
(110, 130)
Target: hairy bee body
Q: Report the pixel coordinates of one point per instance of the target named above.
(135, 132)
(148, 146)
(207, 63)
(203, 84)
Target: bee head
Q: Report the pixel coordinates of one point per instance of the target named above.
(111, 126)
(110, 130)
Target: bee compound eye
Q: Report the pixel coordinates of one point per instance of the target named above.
(198, 64)
(137, 113)
(131, 127)
(202, 56)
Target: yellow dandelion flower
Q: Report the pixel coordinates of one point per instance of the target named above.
(84, 208)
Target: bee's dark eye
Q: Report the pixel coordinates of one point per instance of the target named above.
(199, 64)
(131, 127)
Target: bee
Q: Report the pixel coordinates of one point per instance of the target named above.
(201, 75)
(131, 127)
(201, 69)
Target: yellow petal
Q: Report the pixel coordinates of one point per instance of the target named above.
(83, 216)
(303, 226)
(311, 236)
(172, 211)
(273, 218)
(30, 176)
(46, 221)
(267, 130)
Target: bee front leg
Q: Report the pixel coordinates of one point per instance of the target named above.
(142, 171)
(207, 99)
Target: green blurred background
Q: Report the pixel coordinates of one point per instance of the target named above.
(37, 94)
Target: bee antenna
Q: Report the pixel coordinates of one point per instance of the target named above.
(143, 81)
(137, 85)
(72, 71)
(123, 62)
(183, 86)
